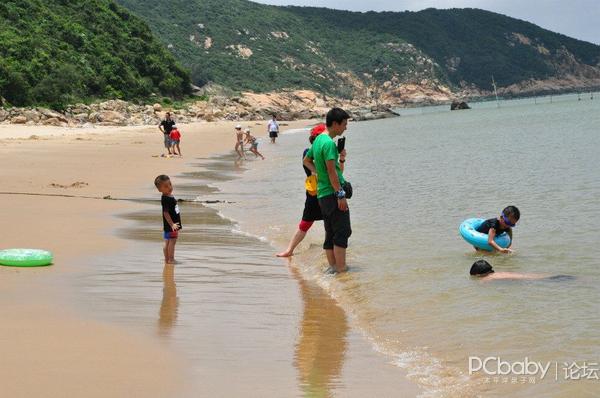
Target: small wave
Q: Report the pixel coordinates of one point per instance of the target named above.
(237, 231)
(303, 130)
(436, 378)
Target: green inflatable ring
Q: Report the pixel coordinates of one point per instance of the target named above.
(25, 257)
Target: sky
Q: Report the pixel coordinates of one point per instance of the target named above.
(576, 18)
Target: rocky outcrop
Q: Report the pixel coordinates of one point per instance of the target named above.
(287, 105)
(458, 105)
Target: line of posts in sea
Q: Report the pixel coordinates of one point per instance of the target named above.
(591, 93)
(550, 98)
(541, 99)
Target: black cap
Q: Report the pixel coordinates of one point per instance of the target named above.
(481, 267)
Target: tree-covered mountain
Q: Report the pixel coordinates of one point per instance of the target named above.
(249, 46)
(54, 52)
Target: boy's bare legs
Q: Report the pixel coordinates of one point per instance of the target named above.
(166, 251)
(178, 150)
(296, 239)
(237, 150)
(170, 251)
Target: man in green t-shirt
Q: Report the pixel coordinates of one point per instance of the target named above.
(323, 159)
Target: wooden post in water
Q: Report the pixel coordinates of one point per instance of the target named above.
(495, 92)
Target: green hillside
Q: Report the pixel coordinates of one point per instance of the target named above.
(250, 46)
(54, 52)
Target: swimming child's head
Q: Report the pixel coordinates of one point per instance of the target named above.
(481, 268)
(163, 184)
(510, 216)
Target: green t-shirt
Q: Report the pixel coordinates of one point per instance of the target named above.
(322, 150)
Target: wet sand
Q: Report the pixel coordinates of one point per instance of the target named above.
(108, 319)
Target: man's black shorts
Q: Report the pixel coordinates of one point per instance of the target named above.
(312, 210)
(337, 223)
(273, 134)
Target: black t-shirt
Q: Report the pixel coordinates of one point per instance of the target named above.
(167, 125)
(485, 227)
(169, 204)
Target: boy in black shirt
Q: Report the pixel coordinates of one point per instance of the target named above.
(496, 226)
(171, 216)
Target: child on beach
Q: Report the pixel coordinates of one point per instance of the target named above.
(496, 226)
(312, 211)
(171, 216)
(239, 142)
(324, 159)
(250, 139)
(175, 137)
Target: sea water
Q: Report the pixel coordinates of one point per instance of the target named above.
(408, 291)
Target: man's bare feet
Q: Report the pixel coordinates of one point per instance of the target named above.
(286, 253)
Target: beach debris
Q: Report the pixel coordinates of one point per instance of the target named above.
(77, 184)
(209, 202)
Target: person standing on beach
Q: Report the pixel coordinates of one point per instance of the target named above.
(171, 216)
(312, 211)
(239, 142)
(273, 129)
(175, 137)
(165, 127)
(323, 159)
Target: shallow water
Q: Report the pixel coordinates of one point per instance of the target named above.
(415, 179)
(246, 323)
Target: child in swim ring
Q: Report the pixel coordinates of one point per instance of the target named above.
(496, 226)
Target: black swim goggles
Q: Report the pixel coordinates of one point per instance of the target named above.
(507, 221)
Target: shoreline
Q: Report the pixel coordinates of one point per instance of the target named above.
(290, 106)
(343, 350)
(75, 229)
(41, 294)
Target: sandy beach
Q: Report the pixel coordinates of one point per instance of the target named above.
(70, 352)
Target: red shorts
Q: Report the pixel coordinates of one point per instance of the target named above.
(171, 235)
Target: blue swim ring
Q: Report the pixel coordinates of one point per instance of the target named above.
(468, 230)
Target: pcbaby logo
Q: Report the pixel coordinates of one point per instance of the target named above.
(495, 366)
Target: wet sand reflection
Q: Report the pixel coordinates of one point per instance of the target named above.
(321, 347)
(168, 307)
